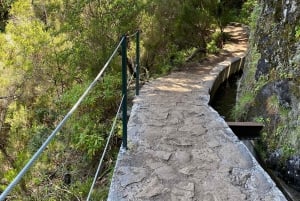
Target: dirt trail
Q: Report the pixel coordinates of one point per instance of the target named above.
(235, 47)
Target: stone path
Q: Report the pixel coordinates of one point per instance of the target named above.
(181, 149)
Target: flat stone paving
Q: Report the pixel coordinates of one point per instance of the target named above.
(181, 149)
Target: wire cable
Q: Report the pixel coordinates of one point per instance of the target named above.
(105, 150)
(130, 79)
(108, 142)
(57, 129)
(132, 35)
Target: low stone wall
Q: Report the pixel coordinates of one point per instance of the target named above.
(223, 71)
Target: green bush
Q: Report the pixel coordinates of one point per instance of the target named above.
(297, 32)
(217, 39)
(241, 108)
(246, 15)
(212, 47)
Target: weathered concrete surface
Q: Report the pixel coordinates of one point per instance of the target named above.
(181, 149)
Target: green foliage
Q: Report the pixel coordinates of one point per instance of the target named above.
(5, 6)
(193, 22)
(39, 135)
(250, 87)
(288, 150)
(89, 126)
(297, 32)
(247, 14)
(163, 70)
(280, 131)
(212, 47)
(174, 27)
(40, 60)
(242, 106)
(216, 43)
(181, 56)
(17, 117)
(255, 13)
(81, 188)
(225, 12)
(49, 53)
(261, 82)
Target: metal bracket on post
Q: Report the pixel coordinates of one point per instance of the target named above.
(137, 78)
(124, 91)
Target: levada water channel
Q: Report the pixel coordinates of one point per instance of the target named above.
(224, 101)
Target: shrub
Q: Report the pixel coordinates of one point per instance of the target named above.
(297, 32)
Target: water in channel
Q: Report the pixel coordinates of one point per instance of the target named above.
(223, 102)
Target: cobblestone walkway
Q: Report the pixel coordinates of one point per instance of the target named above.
(181, 149)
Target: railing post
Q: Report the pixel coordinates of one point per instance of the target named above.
(137, 78)
(124, 91)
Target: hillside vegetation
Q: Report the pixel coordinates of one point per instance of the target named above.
(52, 49)
(269, 91)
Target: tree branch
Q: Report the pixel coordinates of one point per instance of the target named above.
(7, 97)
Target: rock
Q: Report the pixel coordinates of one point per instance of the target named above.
(130, 175)
(183, 191)
(153, 188)
(274, 54)
(263, 67)
(210, 197)
(239, 176)
(292, 173)
(273, 161)
(183, 157)
(178, 142)
(188, 170)
(264, 105)
(282, 89)
(166, 172)
(163, 155)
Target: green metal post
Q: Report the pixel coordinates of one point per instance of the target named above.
(124, 90)
(137, 78)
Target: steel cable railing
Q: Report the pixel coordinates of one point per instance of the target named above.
(123, 43)
(107, 142)
(104, 151)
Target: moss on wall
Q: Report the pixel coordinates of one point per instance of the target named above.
(269, 90)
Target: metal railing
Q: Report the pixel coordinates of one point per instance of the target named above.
(123, 44)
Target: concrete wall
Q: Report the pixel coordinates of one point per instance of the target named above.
(223, 71)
